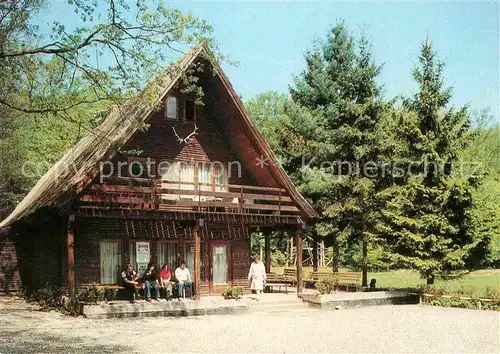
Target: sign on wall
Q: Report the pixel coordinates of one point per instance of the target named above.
(142, 252)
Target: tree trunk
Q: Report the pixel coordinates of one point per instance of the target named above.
(336, 254)
(430, 280)
(268, 251)
(315, 254)
(364, 281)
(261, 250)
(70, 246)
(298, 258)
(197, 267)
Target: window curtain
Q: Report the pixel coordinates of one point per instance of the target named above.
(186, 175)
(204, 176)
(110, 254)
(167, 254)
(220, 177)
(169, 179)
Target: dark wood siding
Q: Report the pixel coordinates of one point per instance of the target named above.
(40, 246)
(89, 232)
(10, 280)
(159, 142)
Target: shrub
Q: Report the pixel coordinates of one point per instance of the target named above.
(461, 296)
(90, 294)
(233, 292)
(464, 303)
(48, 297)
(492, 292)
(74, 307)
(460, 290)
(326, 286)
(279, 259)
(94, 294)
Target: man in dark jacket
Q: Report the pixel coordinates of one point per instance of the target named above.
(129, 277)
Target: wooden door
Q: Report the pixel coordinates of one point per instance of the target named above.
(219, 267)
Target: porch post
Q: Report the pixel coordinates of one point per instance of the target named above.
(315, 254)
(298, 258)
(197, 281)
(268, 252)
(70, 237)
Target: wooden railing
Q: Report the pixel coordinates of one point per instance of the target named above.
(153, 194)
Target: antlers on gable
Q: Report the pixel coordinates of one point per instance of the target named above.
(188, 138)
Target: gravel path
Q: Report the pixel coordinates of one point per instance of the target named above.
(405, 328)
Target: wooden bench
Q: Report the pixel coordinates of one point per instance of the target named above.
(119, 288)
(310, 279)
(290, 275)
(114, 287)
(349, 279)
(315, 276)
(276, 280)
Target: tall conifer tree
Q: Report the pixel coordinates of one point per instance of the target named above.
(431, 222)
(339, 89)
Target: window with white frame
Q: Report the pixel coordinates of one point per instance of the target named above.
(110, 253)
(204, 176)
(171, 107)
(220, 178)
(186, 176)
(177, 175)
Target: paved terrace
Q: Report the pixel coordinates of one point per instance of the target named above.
(216, 305)
(402, 328)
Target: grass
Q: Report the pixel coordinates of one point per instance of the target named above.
(474, 284)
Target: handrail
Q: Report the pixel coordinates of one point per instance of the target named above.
(152, 181)
(157, 194)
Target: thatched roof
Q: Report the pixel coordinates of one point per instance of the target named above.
(80, 164)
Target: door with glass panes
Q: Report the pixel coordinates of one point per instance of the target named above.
(219, 267)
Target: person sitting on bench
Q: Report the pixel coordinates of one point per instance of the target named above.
(164, 278)
(151, 282)
(129, 277)
(183, 276)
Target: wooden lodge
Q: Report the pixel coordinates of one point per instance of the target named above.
(192, 185)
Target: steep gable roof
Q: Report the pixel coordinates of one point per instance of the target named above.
(78, 166)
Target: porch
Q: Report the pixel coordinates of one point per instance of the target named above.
(212, 220)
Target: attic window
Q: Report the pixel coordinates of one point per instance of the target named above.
(171, 107)
(189, 111)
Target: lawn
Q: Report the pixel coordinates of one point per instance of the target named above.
(475, 284)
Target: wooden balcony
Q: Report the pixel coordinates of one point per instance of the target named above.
(159, 195)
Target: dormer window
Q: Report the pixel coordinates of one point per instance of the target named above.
(171, 107)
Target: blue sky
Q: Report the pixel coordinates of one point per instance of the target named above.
(269, 39)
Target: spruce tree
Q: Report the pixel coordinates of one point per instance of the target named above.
(338, 88)
(430, 220)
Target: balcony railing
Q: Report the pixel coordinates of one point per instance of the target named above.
(154, 194)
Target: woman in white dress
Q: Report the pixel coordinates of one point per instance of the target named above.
(257, 275)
